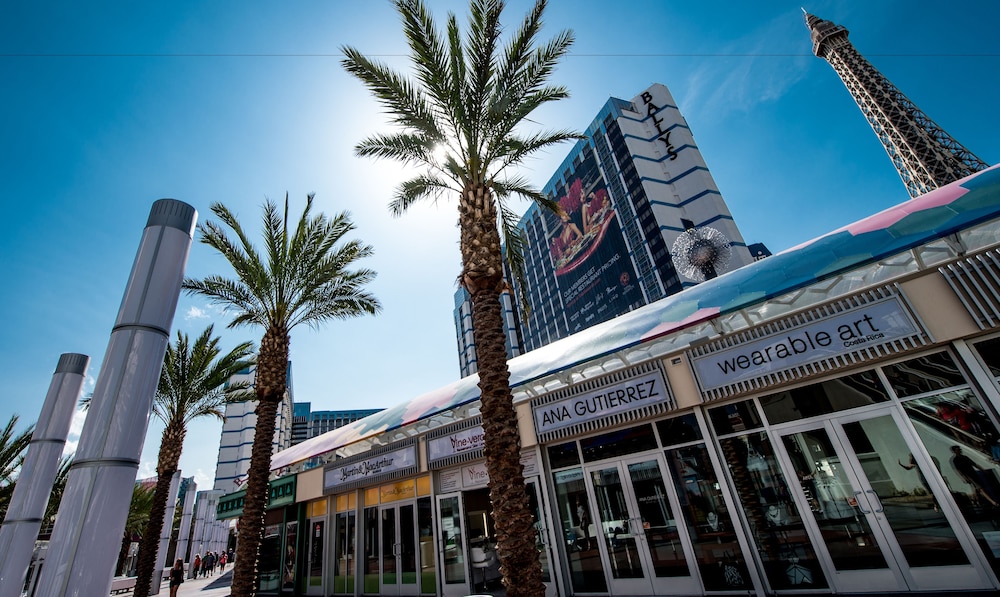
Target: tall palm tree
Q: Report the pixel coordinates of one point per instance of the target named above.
(12, 447)
(460, 122)
(303, 276)
(193, 384)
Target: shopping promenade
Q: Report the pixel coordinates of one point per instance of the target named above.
(213, 586)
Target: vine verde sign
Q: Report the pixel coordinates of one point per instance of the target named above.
(874, 324)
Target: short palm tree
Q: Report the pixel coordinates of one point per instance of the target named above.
(138, 518)
(193, 384)
(12, 447)
(460, 121)
(302, 276)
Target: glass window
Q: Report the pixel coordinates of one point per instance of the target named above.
(585, 568)
(679, 430)
(775, 524)
(451, 539)
(618, 443)
(733, 418)
(990, 353)
(924, 374)
(563, 455)
(716, 548)
(343, 563)
(843, 393)
(428, 563)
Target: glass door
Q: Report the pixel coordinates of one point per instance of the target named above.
(398, 534)
(877, 506)
(314, 564)
(343, 553)
(636, 530)
(451, 545)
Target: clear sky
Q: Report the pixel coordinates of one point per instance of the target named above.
(108, 106)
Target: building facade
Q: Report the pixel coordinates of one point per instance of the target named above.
(821, 421)
(307, 423)
(236, 442)
(630, 189)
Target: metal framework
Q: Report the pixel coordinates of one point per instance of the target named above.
(925, 156)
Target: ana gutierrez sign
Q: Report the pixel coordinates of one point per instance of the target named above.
(339, 476)
(871, 325)
(637, 392)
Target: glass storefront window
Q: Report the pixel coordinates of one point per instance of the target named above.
(269, 561)
(843, 393)
(343, 563)
(451, 539)
(618, 443)
(775, 525)
(735, 417)
(316, 539)
(563, 455)
(679, 430)
(963, 445)
(989, 351)
(371, 562)
(924, 374)
(584, 563)
(428, 563)
(709, 524)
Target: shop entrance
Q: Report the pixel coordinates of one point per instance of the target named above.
(879, 506)
(391, 550)
(633, 527)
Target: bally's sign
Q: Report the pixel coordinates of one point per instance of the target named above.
(872, 325)
(635, 393)
(375, 467)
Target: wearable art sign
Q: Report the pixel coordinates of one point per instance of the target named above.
(635, 393)
(339, 475)
(456, 443)
(873, 324)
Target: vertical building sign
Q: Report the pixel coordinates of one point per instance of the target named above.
(592, 266)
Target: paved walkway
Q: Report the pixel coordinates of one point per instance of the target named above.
(213, 586)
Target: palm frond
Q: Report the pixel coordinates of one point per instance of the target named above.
(414, 149)
(415, 189)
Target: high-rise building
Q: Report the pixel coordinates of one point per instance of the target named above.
(238, 430)
(925, 156)
(629, 190)
(307, 423)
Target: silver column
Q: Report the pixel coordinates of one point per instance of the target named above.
(187, 512)
(38, 472)
(91, 520)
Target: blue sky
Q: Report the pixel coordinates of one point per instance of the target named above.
(108, 106)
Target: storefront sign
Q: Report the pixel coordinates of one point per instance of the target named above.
(871, 325)
(456, 443)
(450, 480)
(376, 467)
(475, 475)
(628, 395)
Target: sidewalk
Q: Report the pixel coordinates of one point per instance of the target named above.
(213, 586)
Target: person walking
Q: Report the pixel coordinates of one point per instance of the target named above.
(208, 564)
(176, 576)
(222, 563)
(196, 566)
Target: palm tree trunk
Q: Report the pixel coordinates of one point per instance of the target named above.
(170, 454)
(483, 278)
(272, 366)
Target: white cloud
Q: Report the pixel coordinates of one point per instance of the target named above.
(76, 424)
(147, 469)
(203, 479)
(195, 313)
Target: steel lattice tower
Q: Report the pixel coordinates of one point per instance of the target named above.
(925, 156)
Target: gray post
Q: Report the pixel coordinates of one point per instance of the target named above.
(165, 532)
(187, 511)
(38, 472)
(88, 530)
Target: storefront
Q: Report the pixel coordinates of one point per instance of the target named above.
(823, 421)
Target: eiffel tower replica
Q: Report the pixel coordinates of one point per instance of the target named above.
(925, 156)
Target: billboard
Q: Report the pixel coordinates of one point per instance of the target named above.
(592, 266)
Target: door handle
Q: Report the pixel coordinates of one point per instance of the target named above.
(857, 494)
(878, 500)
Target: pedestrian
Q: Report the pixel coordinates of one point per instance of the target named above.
(222, 562)
(196, 566)
(209, 563)
(176, 576)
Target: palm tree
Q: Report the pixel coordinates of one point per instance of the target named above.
(12, 447)
(301, 277)
(138, 517)
(460, 122)
(193, 384)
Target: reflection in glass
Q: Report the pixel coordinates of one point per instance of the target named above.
(899, 491)
(316, 539)
(618, 443)
(620, 529)
(343, 564)
(962, 442)
(833, 502)
(835, 395)
(924, 374)
(583, 559)
(657, 520)
(735, 417)
(775, 525)
(406, 550)
(428, 563)
(540, 537)
(679, 430)
(371, 570)
(989, 351)
(451, 540)
(389, 546)
(716, 548)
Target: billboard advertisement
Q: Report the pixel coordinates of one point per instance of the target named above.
(592, 266)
